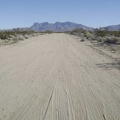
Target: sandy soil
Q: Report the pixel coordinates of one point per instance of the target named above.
(55, 77)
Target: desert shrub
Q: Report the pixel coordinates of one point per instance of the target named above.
(19, 37)
(3, 35)
(15, 40)
(48, 31)
(100, 40)
(89, 35)
(104, 33)
(82, 40)
(101, 33)
(26, 37)
(111, 40)
(79, 30)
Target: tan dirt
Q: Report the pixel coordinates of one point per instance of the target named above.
(54, 77)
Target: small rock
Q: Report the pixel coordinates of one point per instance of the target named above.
(113, 51)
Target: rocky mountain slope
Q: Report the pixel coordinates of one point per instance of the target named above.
(58, 26)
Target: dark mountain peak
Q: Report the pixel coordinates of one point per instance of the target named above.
(45, 23)
(36, 24)
(57, 23)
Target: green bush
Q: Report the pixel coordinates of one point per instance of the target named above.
(3, 36)
(79, 30)
(48, 31)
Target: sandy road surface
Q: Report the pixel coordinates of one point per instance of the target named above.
(55, 77)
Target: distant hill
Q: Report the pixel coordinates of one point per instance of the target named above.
(58, 26)
(64, 26)
(111, 28)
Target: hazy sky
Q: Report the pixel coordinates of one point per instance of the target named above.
(93, 13)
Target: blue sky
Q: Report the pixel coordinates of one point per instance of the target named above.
(93, 13)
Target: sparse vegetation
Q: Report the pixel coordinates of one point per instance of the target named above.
(15, 35)
(48, 31)
(111, 40)
(104, 36)
(104, 33)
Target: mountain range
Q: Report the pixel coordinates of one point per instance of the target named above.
(111, 28)
(66, 26)
(58, 26)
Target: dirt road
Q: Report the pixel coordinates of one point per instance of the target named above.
(55, 77)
